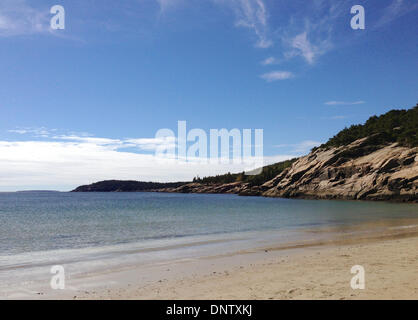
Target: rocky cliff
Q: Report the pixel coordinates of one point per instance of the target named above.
(233, 187)
(358, 171)
(355, 171)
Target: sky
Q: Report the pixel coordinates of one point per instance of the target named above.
(84, 103)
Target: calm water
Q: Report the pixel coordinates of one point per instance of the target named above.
(90, 233)
(43, 221)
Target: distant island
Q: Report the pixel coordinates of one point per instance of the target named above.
(37, 191)
(372, 161)
(126, 186)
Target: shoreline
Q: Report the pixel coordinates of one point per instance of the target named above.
(396, 200)
(316, 268)
(315, 272)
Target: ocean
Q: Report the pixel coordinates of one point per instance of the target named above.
(98, 231)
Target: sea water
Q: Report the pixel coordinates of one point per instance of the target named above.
(87, 231)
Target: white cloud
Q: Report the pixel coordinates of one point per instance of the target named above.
(312, 32)
(269, 61)
(18, 18)
(31, 163)
(151, 144)
(68, 160)
(19, 131)
(309, 32)
(277, 75)
(115, 143)
(251, 14)
(146, 144)
(36, 131)
(303, 47)
(67, 164)
(336, 103)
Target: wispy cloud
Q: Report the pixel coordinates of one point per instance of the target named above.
(92, 140)
(312, 32)
(308, 29)
(251, 14)
(309, 32)
(337, 117)
(19, 131)
(395, 10)
(35, 131)
(19, 18)
(301, 147)
(269, 61)
(152, 144)
(277, 75)
(167, 4)
(340, 103)
(146, 144)
(301, 46)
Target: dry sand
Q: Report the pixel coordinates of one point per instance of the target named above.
(309, 272)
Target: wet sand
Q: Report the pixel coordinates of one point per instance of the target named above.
(389, 256)
(317, 267)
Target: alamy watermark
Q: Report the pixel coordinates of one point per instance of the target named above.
(359, 280)
(58, 20)
(219, 146)
(357, 22)
(58, 278)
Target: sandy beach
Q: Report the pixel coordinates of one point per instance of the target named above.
(321, 271)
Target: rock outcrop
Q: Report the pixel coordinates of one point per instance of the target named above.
(358, 171)
(234, 188)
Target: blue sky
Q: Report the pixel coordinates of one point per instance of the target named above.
(120, 71)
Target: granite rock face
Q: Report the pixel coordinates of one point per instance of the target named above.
(234, 188)
(357, 171)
